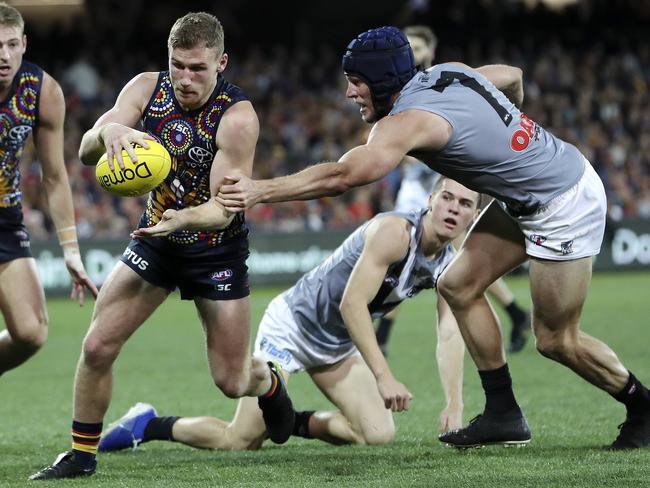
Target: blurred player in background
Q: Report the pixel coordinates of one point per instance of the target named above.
(324, 321)
(413, 193)
(549, 209)
(31, 102)
(209, 128)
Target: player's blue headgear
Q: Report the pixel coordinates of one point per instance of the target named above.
(382, 58)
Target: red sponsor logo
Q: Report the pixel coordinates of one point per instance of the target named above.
(522, 137)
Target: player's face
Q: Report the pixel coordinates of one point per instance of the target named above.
(452, 209)
(193, 73)
(422, 54)
(359, 91)
(12, 47)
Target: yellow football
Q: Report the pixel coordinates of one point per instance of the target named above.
(139, 178)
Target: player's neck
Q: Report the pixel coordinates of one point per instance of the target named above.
(431, 243)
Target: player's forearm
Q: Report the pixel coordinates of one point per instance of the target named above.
(358, 321)
(92, 146)
(449, 355)
(325, 179)
(59, 199)
(207, 216)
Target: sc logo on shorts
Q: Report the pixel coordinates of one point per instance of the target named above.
(220, 277)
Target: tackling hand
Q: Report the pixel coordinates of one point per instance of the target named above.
(240, 194)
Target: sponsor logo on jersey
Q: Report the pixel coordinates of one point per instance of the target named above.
(20, 133)
(223, 275)
(537, 239)
(566, 247)
(200, 155)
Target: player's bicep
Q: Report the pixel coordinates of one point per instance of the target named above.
(236, 140)
(48, 137)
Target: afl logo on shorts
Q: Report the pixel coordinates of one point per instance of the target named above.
(537, 239)
(223, 275)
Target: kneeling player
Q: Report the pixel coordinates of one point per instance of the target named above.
(323, 325)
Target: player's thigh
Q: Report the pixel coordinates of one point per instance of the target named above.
(227, 327)
(22, 300)
(493, 246)
(124, 302)
(351, 386)
(558, 290)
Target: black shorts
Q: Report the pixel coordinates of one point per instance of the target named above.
(14, 238)
(217, 273)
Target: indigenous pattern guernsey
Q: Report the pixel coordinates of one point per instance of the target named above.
(189, 136)
(18, 118)
(314, 300)
(493, 148)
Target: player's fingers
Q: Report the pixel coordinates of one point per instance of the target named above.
(128, 147)
(117, 150)
(143, 140)
(88, 283)
(109, 157)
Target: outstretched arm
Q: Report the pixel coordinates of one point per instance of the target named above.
(450, 351)
(364, 283)
(390, 140)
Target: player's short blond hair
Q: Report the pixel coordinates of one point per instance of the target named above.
(196, 29)
(423, 32)
(10, 17)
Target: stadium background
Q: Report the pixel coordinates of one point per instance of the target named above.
(587, 74)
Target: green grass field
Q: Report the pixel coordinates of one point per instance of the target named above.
(164, 364)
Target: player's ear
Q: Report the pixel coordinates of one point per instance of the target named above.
(223, 61)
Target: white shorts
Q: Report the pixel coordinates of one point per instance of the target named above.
(280, 339)
(411, 196)
(572, 225)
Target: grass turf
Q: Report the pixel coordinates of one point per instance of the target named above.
(164, 364)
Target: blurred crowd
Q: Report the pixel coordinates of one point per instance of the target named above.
(592, 94)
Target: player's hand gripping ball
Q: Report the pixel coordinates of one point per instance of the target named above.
(139, 178)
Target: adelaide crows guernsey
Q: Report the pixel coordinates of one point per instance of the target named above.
(190, 138)
(18, 119)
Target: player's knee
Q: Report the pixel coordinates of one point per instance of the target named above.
(379, 435)
(457, 291)
(553, 344)
(97, 353)
(231, 386)
(31, 335)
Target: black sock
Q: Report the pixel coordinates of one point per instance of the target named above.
(515, 312)
(383, 330)
(499, 397)
(159, 428)
(634, 396)
(301, 427)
